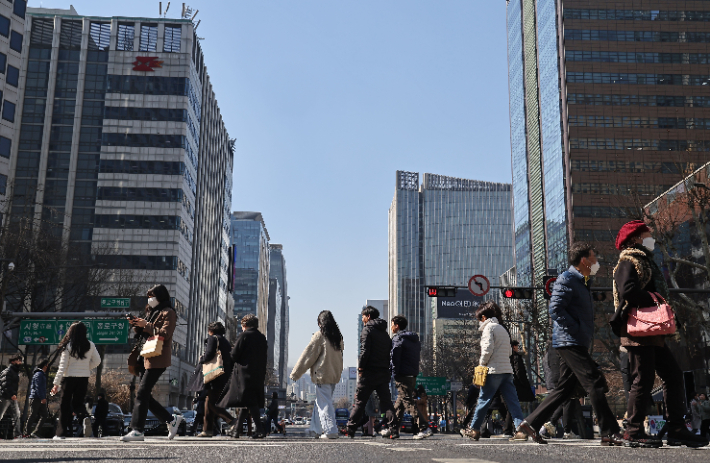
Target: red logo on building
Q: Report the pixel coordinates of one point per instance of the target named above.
(146, 63)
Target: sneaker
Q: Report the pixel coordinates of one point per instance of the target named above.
(130, 437)
(33, 436)
(551, 429)
(386, 432)
(394, 435)
(474, 434)
(684, 437)
(570, 435)
(427, 433)
(329, 436)
(87, 427)
(543, 432)
(61, 438)
(462, 431)
(174, 425)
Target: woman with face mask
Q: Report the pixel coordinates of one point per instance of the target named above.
(636, 276)
(160, 319)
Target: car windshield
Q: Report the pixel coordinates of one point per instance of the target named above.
(113, 408)
(188, 413)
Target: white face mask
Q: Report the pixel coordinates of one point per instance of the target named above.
(594, 268)
(153, 302)
(649, 243)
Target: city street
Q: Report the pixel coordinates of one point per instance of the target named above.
(439, 449)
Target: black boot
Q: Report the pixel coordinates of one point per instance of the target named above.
(681, 436)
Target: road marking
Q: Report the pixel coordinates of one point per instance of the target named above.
(53, 449)
(461, 460)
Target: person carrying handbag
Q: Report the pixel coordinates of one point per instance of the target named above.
(636, 278)
(157, 331)
(215, 377)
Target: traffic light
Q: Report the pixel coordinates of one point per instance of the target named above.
(517, 293)
(441, 291)
(598, 296)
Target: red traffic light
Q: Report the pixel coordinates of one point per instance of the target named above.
(508, 293)
(433, 292)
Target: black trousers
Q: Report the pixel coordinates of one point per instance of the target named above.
(73, 393)
(145, 401)
(99, 422)
(275, 420)
(406, 401)
(644, 363)
(705, 428)
(252, 410)
(362, 394)
(38, 413)
(212, 398)
(577, 367)
(567, 412)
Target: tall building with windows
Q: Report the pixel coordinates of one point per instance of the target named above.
(279, 314)
(12, 32)
(609, 106)
(251, 263)
(122, 153)
(442, 233)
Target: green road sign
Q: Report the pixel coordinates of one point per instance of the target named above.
(434, 385)
(115, 302)
(100, 331)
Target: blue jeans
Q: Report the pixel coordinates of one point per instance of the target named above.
(504, 382)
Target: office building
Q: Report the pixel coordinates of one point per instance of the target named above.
(443, 232)
(12, 32)
(122, 153)
(608, 108)
(250, 241)
(280, 316)
(380, 304)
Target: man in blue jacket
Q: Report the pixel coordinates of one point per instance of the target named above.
(572, 315)
(404, 363)
(38, 399)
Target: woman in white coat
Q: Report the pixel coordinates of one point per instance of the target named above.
(495, 354)
(79, 357)
(324, 356)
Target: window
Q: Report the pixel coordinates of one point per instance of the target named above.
(8, 111)
(4, 26)
(3, 63)
(99, 36)
(42, 33)
(172, 39)
(3, 184)
(13, 76)
(126, 34)
(20, 8)
(70, 35)
(16, 41)
(5, 144)
(149, 37)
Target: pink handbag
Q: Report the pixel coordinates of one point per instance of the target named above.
(652, 321)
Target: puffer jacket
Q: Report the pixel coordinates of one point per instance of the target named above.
(571, 311)
(495, 347)
(79, 368)
(324, 360)
(38, 388)
(9, 381)
(375, 346)
(405, 356)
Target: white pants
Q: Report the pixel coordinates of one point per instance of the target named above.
(323, 419)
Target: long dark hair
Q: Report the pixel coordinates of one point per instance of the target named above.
(161, 293)
(76, 337)
(329, 328)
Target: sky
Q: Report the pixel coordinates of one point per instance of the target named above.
(327, 100)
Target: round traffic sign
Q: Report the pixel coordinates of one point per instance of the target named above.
(479, 285)
(548, 285)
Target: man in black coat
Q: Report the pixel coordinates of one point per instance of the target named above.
(100, 414)
(404, 362)
(373, 369)
(246, 385)
(9, 383)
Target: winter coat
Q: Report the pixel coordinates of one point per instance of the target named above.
(101, 409)
(406, 350)
(246, 383)
(633, 283)
(9, 381)
(324, 360)
(696, 414)
(495, 347)
(38, 387)
(70, 366)
(375, 349)
(161, 322)
(571, 311)
(520, 378)
(274, 408)
(705, 410)
(211, 345)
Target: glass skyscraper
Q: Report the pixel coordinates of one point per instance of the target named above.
(279, 313)
(442, 233)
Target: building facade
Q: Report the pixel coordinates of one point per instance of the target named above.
(280, 316)
(250, 241)
(122, 153)
(442, 233)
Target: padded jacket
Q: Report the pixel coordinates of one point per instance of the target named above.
(324, 360)
(375, 350)
(74, 367)
(9, 381)
(571, 311)
(405, 356)
(38, 388)
(495, 347)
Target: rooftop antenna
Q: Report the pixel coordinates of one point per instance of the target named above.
(193, 16)
(166, 9)
(197, 25)
(182, 15)
(160, 8)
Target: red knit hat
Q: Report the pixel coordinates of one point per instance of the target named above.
(629, 230)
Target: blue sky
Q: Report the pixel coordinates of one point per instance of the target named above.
(327, 99)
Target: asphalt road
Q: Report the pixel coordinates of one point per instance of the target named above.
(438, 449)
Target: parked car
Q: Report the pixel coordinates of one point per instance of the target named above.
(154, 427)
(114, 420)
(407, 423)
(127, 422)
(189, 416)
